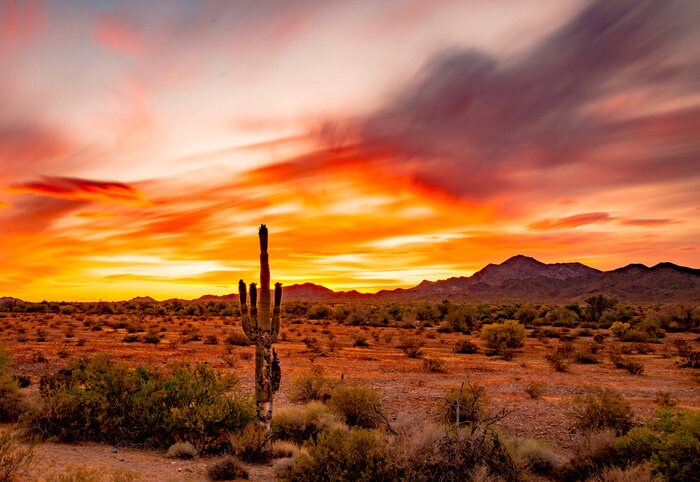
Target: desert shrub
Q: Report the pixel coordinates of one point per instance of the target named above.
(459, 318)
(237, 338)
(627, 363)
(634, 473)
(300, 424)
(593, 452)
(151, 337)
(102, 400)
(433, 365)
(181, 450)
(501, 337)
(469, 398)
(535, 390)
(11, 401)
(665, 399)
(425, 453)
(411, 346)
(557, 360)
(619, 329)
(677, 455)
(312, 385)
(359, 340)
(466, 347)
(228, 468)
(690, 357)
(211, 340)
(251, 444)
(15, 459)
(599, 409)
(357, 454)
(586, 356)
(636, 336)
(357, 404)
(636, 446)
(83, 473)
(534, 456)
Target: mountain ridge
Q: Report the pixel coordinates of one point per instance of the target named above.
(519, 278)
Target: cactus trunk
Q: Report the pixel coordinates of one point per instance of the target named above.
(262, 329)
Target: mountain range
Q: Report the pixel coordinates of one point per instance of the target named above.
(522, 278)
(519, 278)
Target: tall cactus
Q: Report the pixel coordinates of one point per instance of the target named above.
(262, 330)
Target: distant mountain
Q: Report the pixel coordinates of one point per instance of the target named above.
(143, 299)
(9, 299)
(519, 278)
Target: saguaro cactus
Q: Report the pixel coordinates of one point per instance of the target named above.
(262, 329)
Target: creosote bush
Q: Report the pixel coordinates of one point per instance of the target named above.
(300, 424)
(228, 468)
(601, 408)
(11, 400)
(502, 337)
(312, 385)
(357, 404)
(15, 459)
(181, 450)
(103, 400)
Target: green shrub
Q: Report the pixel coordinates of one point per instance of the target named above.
(11, 400)
(338, 455)
(601, 408)
(619, 329)
(300, 424)
(677, 455)
(501, 337)
(15, 459)
(228, 468)
(312, 385)
(105, 401)
(357, 404)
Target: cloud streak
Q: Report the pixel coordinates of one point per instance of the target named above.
(75, 189)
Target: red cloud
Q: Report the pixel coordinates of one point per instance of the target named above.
(646, 222)
(571, 221)
(82, 190)
(118, 35)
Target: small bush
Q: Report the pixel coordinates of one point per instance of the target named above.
(557, 360)
(599, 409)
(312, 385)
(592, 453)
(634, 473)
(251, 445)
(433, 365)
(11, 401)
(534, 456)
(357, 404)
(466, 347)
(665, 399)
(411, 347)
(677, 456)
(627, 363)
(470, 400)
(228, 468)
(181, 450)
(300, 424)
(338, 455)
(501, 337)
(237, 338)
(83, 473)
(534, 390)
(15, 459)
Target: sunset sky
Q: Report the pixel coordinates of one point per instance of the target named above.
(382, 142)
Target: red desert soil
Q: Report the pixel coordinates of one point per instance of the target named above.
(406, 389)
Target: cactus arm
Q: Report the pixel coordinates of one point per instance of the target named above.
(275, 328)
(245, 315)
(253, 305)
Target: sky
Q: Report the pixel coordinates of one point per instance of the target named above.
(383, 142)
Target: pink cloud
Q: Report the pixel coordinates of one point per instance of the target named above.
(119, 35)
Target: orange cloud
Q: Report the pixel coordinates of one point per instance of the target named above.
(571, 221)
(75, 189)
